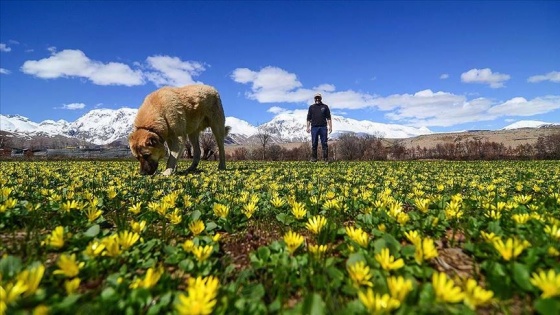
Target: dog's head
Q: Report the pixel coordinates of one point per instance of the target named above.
(148, 148)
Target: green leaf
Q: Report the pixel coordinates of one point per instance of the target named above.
(313, 304)
(392, 243)
(408, 251)
(68, 301)
(195, 215)
(210, 226)
(547, 306)
(92, 231)
(263, 253)
(108, 294)
(9, 266)
(521, 276)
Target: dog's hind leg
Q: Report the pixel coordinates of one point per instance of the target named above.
(193, 138)
(219, 132)
(176, 147)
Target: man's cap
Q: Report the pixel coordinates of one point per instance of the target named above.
(318, 95)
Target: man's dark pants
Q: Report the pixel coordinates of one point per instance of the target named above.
(316, 133)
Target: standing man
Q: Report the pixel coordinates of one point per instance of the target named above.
(318, 118)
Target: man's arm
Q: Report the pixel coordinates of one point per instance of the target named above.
(329, 122)
(308, 126)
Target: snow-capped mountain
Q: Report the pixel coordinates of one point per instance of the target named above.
(528, 124)
(292, 127)
(104, 126)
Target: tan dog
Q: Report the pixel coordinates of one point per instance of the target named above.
(170, 115)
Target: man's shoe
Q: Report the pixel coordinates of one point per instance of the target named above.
(313, 160)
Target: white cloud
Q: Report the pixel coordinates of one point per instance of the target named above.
(423, 108)
(160, 70)
(444, 76)
(5, 71)
(485, 76)
(172, 71)
(74, 63)
(73, 106)
(275, 85)
(553, 76)
(5, 48)
(519, 106)
(276, 110)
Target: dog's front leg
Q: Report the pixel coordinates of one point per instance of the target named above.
(175, 150)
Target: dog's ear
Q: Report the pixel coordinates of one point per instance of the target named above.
(153, 140)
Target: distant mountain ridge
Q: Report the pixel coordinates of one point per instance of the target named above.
(107, 126)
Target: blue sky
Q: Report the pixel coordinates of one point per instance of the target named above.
(444, 65)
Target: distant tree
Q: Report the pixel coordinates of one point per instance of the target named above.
(275, 152)
(207, 144)
(264, 136)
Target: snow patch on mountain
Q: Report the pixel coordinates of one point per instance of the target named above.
(528, 124)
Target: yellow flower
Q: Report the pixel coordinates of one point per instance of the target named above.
(174, 217)
(221, 210)
(278, 202)
(92, 213)
(317, 250)
(127, 239)
(360, 274)
(521, 218)
(68, 265)
(249, 209)
(31, 278)
(136, 208)
(445, 289)
(112, 192)
(475, 295)
(493, 214)
(489, 237)
(413, 237)
(188, 245)
(200, 298)
(40, 310)
(332, 204)
(217, 237)
(553, 231)
(94, 249)
(202, 252)
(10, 293)
(316, 224)
(298, 210)
(377, 303)
(425, 250)
(150, 279)
(522, 199)
(387, 261)
(357, 235)
(293, 241)
(71, 285)
(111, 243)
(69, 205)
(196, 227)
(56, 238)
(402, 218)
(512, 248)
(138, 227)
(381, 227)
(548, 282)
(553, 251)
(399, 287)
(422, 204)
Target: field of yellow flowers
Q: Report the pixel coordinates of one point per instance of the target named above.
(89, 237)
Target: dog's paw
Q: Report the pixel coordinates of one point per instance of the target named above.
(167, 172)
